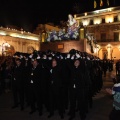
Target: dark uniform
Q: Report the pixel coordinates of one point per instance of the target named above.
(65, 76)
(118, 67)
(35, 77)
(18, 85)
(55, 91)
(45, 82)
(104, 67)
(27, 69)
(78, 91)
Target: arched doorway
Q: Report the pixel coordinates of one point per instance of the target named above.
(103, 53)
(30, 49)
(115, 53)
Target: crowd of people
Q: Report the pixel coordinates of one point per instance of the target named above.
(54, 81)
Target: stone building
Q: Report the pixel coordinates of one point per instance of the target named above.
(12, 40)
(104, 26)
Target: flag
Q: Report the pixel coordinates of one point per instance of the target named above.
(108, 3)
(101, 3)
(95, 4)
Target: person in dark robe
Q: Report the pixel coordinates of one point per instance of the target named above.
(55, 89)
(18, 84)
(35, 77)
(78, 88)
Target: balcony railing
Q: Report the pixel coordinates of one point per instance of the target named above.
(108, 40)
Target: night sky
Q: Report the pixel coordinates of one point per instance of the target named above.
(27, 14)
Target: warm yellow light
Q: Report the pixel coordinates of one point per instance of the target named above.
(109, 18)
(119, 47)
(75, 16)
(118, 16)
(18, 34)
(23, 36)
(97, 20)
(97, 11)
(109, 9)
(85, 13)
(85, 22)
(2, 33)
(108, 46)
(95, 50)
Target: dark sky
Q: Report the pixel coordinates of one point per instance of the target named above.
(27, 14)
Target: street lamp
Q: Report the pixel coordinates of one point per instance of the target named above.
(4, 45)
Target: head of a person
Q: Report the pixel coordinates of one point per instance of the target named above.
(54, 63)
(76, 63)
(70, 17)
(34, 62)
(18, 62)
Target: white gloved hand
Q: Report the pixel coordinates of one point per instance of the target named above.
(68, 55)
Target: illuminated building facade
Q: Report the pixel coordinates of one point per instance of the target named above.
(19, 41)
(104, 25)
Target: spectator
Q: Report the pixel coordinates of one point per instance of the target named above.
(115, 91)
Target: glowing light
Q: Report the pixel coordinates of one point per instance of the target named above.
(97, 11)
(97, 20)
(75, 16)
(23, 36)
(109, 9)
(119, 48)
(118, 16)
(19, 34)
(109, 46)
(85, 22)
(109, 18)
(85, 13)
(2, 33)
(103, 10)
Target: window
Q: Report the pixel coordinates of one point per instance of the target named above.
(115, 19)
(103, 20)
(103, 37)
(91, 22)
(116, 36)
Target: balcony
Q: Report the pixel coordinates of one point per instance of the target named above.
(107, 40)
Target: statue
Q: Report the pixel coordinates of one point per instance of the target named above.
(72, 23)
(72, 31)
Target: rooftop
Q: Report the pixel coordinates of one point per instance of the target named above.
(18, 34)
(98, 12)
